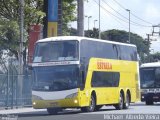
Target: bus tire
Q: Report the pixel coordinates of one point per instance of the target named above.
(52, 111)
(149, 102)
(91, 107)
(98, 107)
(127, 101)
(119, 106)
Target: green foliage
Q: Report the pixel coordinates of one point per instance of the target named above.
(92, 33)
(152, 57)
(9, 22)
(8, 37)
(68, 15)
(115, 35)
(10, 9)
(33, 14)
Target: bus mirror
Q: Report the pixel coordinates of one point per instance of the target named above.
(82, 60)
(30, 67)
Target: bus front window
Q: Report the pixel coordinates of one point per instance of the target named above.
(56, 78)
(56, 51)
(157, 77)
(147, 78)
(150, 77)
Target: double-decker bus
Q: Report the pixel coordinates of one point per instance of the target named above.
(86, 73)
(150, 82)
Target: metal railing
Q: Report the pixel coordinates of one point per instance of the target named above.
(15, 89)
(9, 91)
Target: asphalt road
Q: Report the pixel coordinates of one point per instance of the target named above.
(136, 111)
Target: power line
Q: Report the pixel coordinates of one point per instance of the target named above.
(119, 4)
(132, 22)
(115, 10)
(125, 17)
(110, 12)
(132, 13)
(140, 18)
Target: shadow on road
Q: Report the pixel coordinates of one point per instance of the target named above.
(72, 112)
(64, 112)
(143, 104)
(44, 113)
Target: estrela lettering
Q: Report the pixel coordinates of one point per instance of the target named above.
(104, 65)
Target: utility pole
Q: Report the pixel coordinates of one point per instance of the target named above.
(129, 38)
(20, 77)
(99, 19)
(148, 41)
(59, 17)
(80, 21)
(45, 18)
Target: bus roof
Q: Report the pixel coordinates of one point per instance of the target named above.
(153, 64)
(62, 38)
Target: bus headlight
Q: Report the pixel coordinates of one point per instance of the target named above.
(75, 101)
(34, 103)
(72, 95)
(35, 97)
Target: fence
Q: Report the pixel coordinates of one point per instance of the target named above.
(15, 90)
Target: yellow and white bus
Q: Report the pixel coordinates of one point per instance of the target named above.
(86, 73)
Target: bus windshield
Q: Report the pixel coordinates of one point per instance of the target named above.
(56, 51)
(150, 77)
(56, 78)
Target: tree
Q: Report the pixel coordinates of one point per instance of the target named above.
(9, 35)
(152, 57)
(68, 15)
(122, 36)
(73, 32)
(92, 33)
(9, 22)
(33, 11)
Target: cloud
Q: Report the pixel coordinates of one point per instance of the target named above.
(155, 45)
(151, 11)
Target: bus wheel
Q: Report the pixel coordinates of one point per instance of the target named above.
(127, 102)
(98, 107)
(52, 111)
(119, 106)
(149, 102)
(91, 107)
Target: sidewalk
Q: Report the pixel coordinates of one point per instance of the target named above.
(20, 110)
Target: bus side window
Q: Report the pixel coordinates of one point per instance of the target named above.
(157, 74)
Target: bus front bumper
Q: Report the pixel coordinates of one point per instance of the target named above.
(155, 97)
(63, 103)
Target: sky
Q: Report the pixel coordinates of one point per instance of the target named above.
(143, 15)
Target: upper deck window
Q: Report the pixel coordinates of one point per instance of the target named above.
(56, 51)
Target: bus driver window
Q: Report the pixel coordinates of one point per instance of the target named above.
(46, 55)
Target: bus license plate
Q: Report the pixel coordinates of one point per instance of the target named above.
(155, 97)
(54, 104)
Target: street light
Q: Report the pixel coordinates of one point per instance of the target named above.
(129, 26)
(88, 20)
(95, 22)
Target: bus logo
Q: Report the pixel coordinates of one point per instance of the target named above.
(104, 65)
